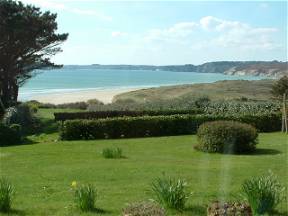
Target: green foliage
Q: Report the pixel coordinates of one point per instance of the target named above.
(23, 115)
(10, 135)
(6, 192)
(263, 193)
(170, 192)
(280, 87)
(241, 108)
(202, 101)
(146, 126)
(28, 40)
(144, 209)
(227, 137)
(85, 197)
(118, 113)
(112, 153)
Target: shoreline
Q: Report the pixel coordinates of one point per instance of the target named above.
(106, 96)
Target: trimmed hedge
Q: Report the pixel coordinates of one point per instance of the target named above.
(117, 113)
(227, 137)
(146, 126)
(10, 135)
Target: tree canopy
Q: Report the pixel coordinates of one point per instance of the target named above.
(280, 87)
(28, 39)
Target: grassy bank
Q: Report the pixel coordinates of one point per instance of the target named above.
(221, 90)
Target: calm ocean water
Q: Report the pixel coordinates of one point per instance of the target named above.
(69, 80)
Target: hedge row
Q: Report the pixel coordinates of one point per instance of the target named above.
(111, 114)
(156, 125)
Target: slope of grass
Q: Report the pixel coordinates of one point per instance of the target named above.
(221, 90)
(42, 173)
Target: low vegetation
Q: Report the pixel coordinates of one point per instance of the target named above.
(85, 197)
(221, 90)
(171, 193)
(6, 193)
(263, 193)
(228, 137)
(118, 113)
(114, 152)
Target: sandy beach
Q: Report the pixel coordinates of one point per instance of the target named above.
(106, 96)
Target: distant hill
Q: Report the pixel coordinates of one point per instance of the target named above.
(257, 68)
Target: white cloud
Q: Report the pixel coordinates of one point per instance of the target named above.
(60, 6)
(118, 34)
(214, 32)
(174, 33)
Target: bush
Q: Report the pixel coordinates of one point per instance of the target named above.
(226, 137)
(85, 197)
(145, 126)
(263, 193)
(6, 192)
(10, 135)
(229, 209)
(170, 192)
(111, 114)
(143, 209)
(112, 153)
(23, 115)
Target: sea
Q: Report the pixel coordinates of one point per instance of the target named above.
(82, 79)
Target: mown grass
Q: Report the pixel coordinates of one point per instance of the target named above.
(42, 172)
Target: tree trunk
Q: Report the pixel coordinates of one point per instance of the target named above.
(9, 91)
(5, 97)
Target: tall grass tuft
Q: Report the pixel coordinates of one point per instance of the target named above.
(6, 192)
(85, 197)
(112, 153)
(263, 193)
(170, 192)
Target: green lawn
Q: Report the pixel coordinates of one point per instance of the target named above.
(42, 173)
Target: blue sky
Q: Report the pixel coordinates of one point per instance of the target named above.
(169, 32)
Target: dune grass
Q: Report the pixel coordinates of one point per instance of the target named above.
(42, 173)
(221, 90)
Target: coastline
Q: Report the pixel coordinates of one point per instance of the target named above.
(106, 96)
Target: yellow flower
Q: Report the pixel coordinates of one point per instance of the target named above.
(74, 184)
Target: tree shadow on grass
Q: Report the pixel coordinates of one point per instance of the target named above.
(261, 151)
(196, 210)
(100, 211)
(25, 141)
(15, 212)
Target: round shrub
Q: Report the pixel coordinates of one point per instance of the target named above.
(227, 137)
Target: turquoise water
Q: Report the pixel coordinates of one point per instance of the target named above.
(77, 79)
